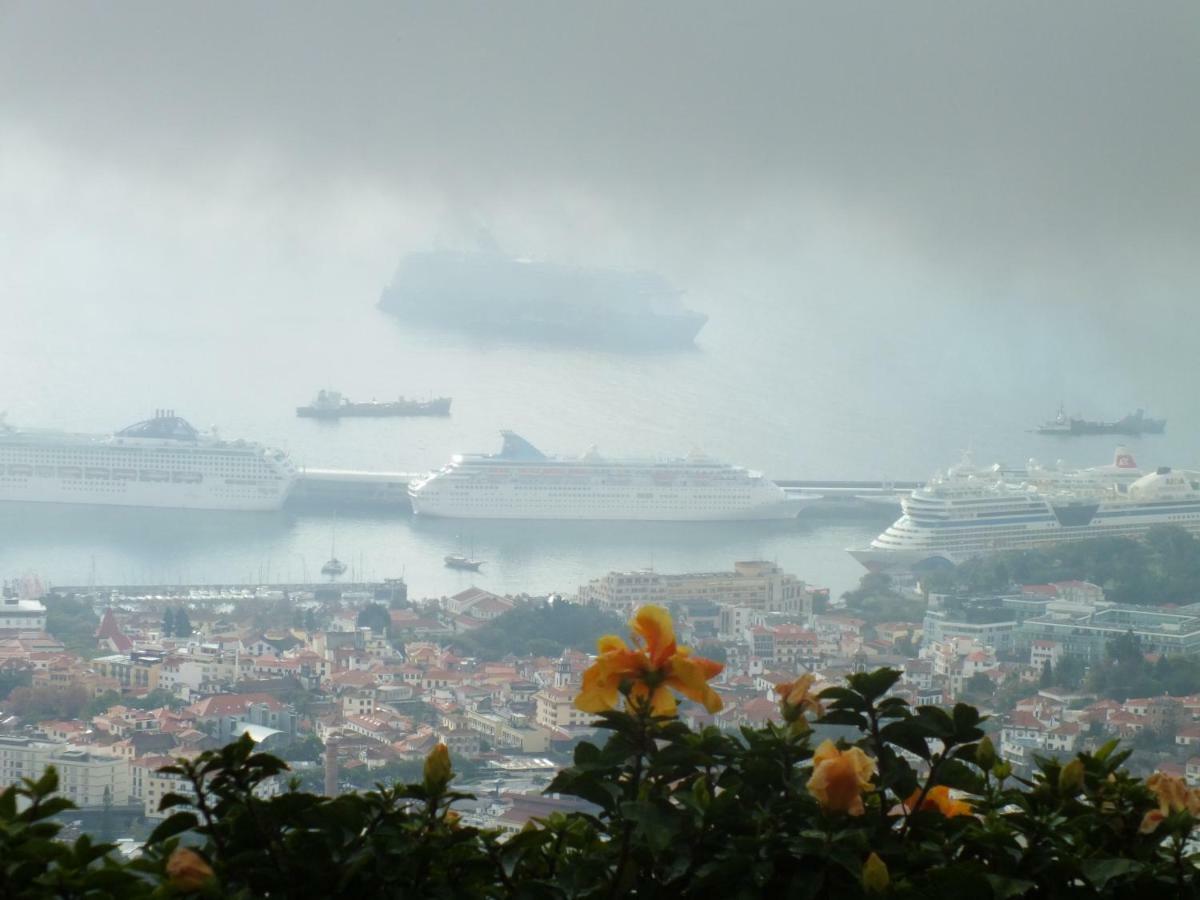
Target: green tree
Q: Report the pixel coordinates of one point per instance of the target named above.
(376, 617)
(540, 628)
(156, 699)
(183, 623)
(1046, 679)
(168, 622)
(73, 622)
(671, 812)
(11, 678)
(979, 687)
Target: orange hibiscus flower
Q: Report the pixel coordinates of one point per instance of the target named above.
(798, 697)
(187, 870)
(1173, 796)
(649, 670)
(939, 799)
(840, 778)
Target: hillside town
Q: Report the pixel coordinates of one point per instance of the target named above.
(355, 684)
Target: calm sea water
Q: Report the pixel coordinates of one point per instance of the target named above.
(796, 389)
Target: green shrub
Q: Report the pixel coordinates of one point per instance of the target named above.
(676, 813)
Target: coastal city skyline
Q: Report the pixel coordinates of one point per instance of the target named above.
(521, 449)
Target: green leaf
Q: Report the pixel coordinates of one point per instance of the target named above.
(843, 717)
(938, 722)
(1103, 753)
(873, 685)
(1004, 888)
(171, 826)
(842, 698)
(1101, 871)
(908, 734)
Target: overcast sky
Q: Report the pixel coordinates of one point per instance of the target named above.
(1032, 150)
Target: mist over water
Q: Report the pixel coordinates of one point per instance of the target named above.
(911, 239)
(841, 401)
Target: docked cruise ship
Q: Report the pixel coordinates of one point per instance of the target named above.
(521, 482)
(965, 512)
(161, 462)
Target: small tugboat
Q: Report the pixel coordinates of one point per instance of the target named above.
(1060, 424)
(1134, 424)
(332, 405)
(463, 562)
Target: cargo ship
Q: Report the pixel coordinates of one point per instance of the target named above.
(332, 405)
(1134, 424)
(490, 294)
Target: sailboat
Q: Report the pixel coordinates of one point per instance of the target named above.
(458, 561)
(335, 566)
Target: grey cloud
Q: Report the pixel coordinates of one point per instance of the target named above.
(1003, 134)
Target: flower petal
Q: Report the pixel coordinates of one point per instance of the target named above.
(602, 679)
(610, 643)
(690, 674)
(653, 625)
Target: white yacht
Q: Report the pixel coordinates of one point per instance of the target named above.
(161, 462)
(520, 482)
(967, 512)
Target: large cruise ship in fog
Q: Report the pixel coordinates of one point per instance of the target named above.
(520, 482)
(967, 512)
(488, 293)
(161, 462)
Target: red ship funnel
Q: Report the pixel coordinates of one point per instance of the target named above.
(1123, 459)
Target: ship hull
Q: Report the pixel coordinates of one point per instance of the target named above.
(614, 512)
(895, 561)
(490, 295)
(1102, 523)
(376, 410)
(137, 494)
(575, 327)
(1131, 430)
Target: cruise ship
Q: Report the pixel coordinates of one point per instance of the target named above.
(488, 293)
(161, 462)
(521, 482)
(965, 512)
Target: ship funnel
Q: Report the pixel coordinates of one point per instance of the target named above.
(1123, 459)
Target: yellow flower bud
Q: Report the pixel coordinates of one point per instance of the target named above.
(1002, 769)
(875, 878)
(985, 754)
(187, 870)
(438, 771)
(1070, 778)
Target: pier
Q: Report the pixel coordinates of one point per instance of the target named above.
(224, 592)
(351, 487)
(389, 490)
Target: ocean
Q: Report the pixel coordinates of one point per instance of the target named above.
(796, 388)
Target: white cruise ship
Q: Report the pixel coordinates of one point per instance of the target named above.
(161, 462)
(520, 482)
(965, 512)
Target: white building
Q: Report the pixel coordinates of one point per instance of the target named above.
(21, 615)
(85, 778)
(756, 585)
